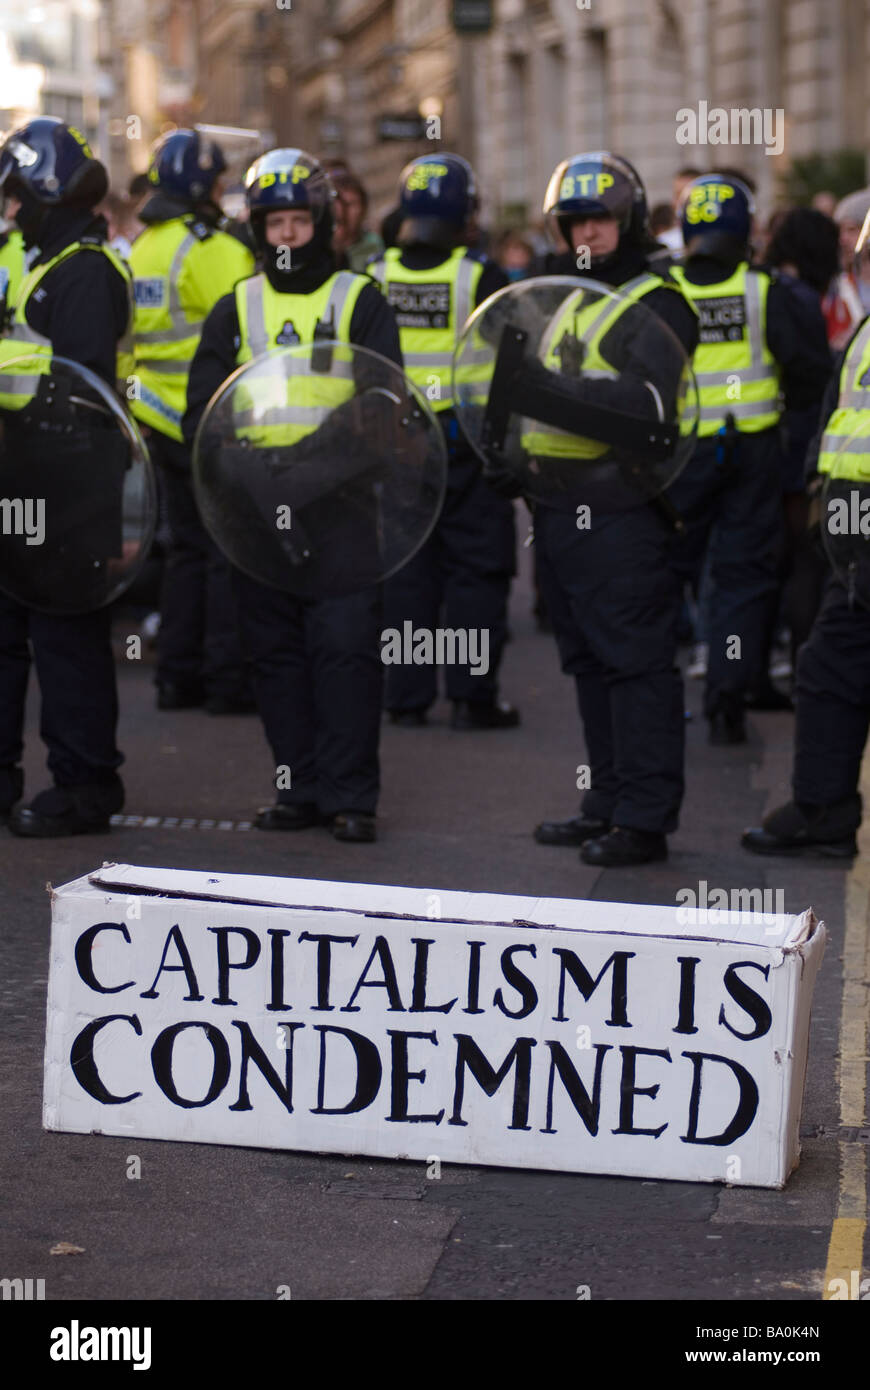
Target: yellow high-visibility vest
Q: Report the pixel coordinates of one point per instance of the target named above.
(283, 406)
(18, 385)
(431, 308)
(591, 323)
(845, 448)
(12, 262)
(181, 268)
(735, 370)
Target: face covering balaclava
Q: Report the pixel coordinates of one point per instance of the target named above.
(289, 269)
(30, 217)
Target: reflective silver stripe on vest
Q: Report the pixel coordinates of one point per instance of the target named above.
(741, 410)
(855, 397)
(257, 337)
(836, 442)
(464, 276)
(182, 327)
(170, 366)
(256, 318)
(378, 271)
(757, 371)
(18, 383)
(338, 298)
(22, 332)
(607, 307)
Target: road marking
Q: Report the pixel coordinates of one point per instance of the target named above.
(178, 823)
(846, 1246)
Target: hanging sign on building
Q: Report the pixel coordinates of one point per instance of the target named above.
(410, 127)
(472, 16)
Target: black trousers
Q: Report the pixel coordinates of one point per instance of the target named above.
(459, 579)
(737, 512)
(199, 642)
(76, 671)
(832, 701)
(318, 681)
(614, 604)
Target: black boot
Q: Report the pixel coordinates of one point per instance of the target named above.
(765, 696)
(356, 826)
(570, 832)
(171, 695)
(727, 720)
(58, 811)
(479, 714)
(408, 718)
(623, 846)
(284, 816)
(800, 828)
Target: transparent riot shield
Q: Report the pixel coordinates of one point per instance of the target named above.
(319, 469)
(78, 501)
(576, 392)
(845, 515)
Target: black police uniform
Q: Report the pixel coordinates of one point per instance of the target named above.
(730, 499)
(199, 651)
(832, 715)
(614, 604)
(318, 675)
(462, 576)
(82, 306)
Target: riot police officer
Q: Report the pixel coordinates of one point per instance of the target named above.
(182, 263)
(833, 671)
(762, 349)
(74, 302)
(609, 590)
(464, 571)
(317, 668)
(11, 263)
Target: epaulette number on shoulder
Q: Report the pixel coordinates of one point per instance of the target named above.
(201, 231)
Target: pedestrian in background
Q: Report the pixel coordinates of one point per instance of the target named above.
(354, 243)
(514, 253)
(804, 249)
(848, 299)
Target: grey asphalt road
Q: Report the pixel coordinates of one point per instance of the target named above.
(457, 811)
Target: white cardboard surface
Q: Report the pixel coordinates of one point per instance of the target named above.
(228, 1027)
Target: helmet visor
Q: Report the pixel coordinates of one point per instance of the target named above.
(288, 179)
(584, 189)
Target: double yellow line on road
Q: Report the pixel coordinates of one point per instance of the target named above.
(846, 1246)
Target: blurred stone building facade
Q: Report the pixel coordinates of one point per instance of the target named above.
(369, 80)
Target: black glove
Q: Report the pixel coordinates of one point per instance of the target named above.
(502, 479)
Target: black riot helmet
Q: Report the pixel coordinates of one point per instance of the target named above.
(289, 179)
(598, 184)
(437, 196)
(49, 166)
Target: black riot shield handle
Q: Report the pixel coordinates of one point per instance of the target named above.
(520, 388)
